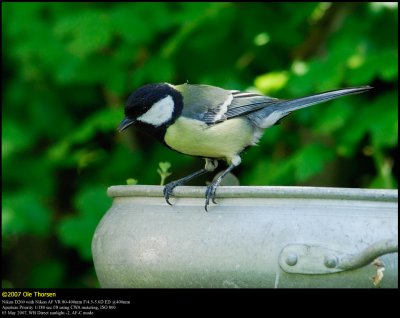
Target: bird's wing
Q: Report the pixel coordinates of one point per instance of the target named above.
(213, 104)
(244, 103)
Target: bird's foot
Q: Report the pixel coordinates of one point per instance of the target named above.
(210, 192)
(169, 188)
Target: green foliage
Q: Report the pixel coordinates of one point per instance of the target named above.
(50, 274)
(76, 231)
(68, 68)
(163, 171)
(24, 213)
(131, 181)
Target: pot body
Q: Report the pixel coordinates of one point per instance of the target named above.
(282, 237)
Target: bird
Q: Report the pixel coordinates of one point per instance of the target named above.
(210, 122)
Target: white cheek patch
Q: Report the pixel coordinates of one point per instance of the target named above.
(159, 113)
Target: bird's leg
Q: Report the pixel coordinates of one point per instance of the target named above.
(212, 188)
(210, 166)
(169, 187)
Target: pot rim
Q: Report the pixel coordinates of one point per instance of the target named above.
(384, 195)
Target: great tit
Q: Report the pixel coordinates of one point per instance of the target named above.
(211, 122)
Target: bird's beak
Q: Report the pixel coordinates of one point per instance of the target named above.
(125, 124)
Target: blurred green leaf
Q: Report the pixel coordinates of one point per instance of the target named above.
(365, 72)
(384, 167)
(272, 82)
(384, 119)
(77, 231)
(14, 139)
(25, 213)
(334, 116)
(131, 181)
(85, 32)
(131, 26)
(381, 123)
(157, 69)
(388, 64)
(49, 274)
(311, 160)
(101, 121)
(267, 172)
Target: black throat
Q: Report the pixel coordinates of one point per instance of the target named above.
(155, 132)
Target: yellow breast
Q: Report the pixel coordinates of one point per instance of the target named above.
(223, 140)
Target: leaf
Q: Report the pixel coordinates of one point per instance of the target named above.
(25, 213)
(50, 274)
(85, 32)
(365, 72)
(163, 171)
(267, 172)
(271, 82)
(158, 69)
(383, 182)
(357, 128)
(87, 157)
(77, 231)
(388, 64)
(131, 181)
(333, 117)
(164, 166)
(131, 25)
(93, 201)
(384, 121)
(310, 160)
(14, 139)
(103, 120)
(379, 119)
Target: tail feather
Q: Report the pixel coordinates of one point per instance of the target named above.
(269, 116)
(302, 102)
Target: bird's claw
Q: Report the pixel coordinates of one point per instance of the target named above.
(210, 194)
(168, 191)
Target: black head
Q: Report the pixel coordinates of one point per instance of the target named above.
(153, 106)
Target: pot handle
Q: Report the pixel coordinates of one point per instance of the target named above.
(366, 256)
(315, 259)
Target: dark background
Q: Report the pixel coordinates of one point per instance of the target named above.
(69, 67)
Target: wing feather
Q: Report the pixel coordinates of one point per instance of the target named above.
(213, 104)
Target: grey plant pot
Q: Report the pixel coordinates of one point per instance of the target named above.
(282, 237)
